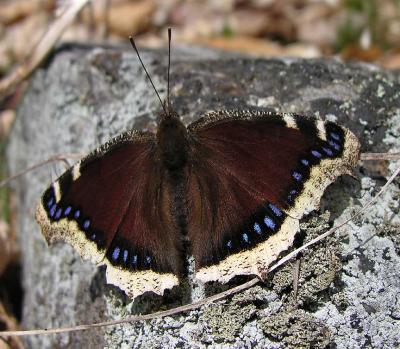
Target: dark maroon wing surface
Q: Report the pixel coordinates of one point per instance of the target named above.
(253, 174)
(113, 208)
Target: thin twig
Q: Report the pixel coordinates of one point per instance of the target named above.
(59, 157)
(43, 48)
(214, 298)
(296, 277)
(379, 156)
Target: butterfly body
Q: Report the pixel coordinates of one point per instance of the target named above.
(228, 189)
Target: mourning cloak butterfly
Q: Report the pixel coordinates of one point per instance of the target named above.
(233, 183)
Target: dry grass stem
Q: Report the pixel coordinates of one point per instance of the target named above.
(59, 157)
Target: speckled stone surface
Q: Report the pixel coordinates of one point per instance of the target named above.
(349, 285)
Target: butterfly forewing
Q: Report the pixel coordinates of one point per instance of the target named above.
(253, 175)
(114, 209)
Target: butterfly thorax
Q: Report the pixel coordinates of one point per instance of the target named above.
(172, 143)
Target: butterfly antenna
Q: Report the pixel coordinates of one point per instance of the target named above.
(169, 65)
(148, 75)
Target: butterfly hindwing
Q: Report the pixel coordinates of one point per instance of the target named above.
(113, 208)
(253, 174)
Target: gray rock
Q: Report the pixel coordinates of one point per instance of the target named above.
(349, 286)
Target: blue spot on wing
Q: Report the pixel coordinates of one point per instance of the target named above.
(269, 222)
(245, 237)
(67, 211)
(257, 228)
(50, 202)
(335, 136)
(125, 256)
(53, 210)
(115, 253)
(275, 210)
(134, 260)
(58, 213)
(77, 214)
(86, 224)
(327, 151)
(292, 195)
(305, 162)
(297, 176)
(229, 244)
(334, 145)
(316, 154)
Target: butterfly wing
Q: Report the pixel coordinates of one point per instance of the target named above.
(113, 208)
(253, 175)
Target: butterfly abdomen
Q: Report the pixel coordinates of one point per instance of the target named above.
(172, 143)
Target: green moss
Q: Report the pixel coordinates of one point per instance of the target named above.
(225, 321)
(296, 329)
(319, 266)
(227, 31)
(253, 294)
(348, 33)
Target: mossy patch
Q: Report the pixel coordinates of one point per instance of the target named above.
(296, 329)
(254, 294)
(225, 321)
(319, 266)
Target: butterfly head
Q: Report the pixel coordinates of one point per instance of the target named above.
(172, 141)
(168, 112)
